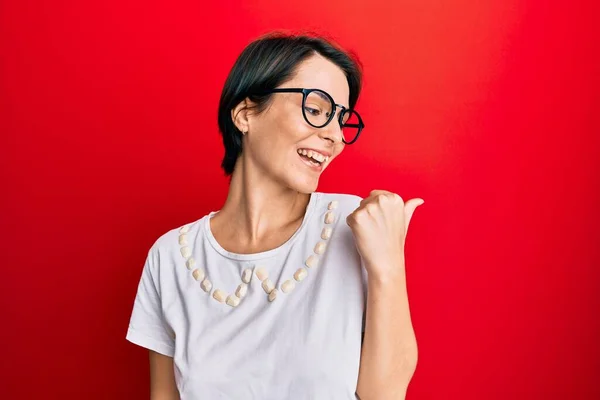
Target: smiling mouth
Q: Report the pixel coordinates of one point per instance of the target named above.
(312, 158)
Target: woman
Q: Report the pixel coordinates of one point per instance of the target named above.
(266, 298)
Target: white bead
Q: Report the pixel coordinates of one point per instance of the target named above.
(329, 217)
(219, 296)
(312, 261)
(262, 274)
(300, 274)
(186, 252)
(333, 205)
(267, 285)
(232, 300)
(183, 240)
(206, 285)
(326, 233)
(320, 247)
(198, 274)
(241, 290)
(184, 229)
(190, 263)
(247, 275)
(273, 295)
(288, 286)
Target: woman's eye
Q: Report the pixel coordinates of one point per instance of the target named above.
(312, 111)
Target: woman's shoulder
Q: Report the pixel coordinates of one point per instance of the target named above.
(177, 238)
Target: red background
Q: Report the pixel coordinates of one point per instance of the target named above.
(487, 110)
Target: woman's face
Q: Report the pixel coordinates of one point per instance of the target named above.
(279, 140)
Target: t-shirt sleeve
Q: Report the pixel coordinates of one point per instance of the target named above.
(364, 277)
(363, 270)
(147, 326)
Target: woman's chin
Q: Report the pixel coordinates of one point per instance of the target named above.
(306, 186)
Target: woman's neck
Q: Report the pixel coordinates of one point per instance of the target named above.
(259, 213)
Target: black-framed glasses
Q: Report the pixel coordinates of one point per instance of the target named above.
(319, 108)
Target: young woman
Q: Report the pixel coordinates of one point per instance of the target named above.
(267, 298)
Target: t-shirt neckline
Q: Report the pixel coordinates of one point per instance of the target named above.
(314, 197)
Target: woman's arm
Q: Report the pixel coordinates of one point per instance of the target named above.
(389, 352)
(162, 378)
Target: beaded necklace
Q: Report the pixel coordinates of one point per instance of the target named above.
(234, 299)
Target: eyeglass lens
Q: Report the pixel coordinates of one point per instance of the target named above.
(318, 108)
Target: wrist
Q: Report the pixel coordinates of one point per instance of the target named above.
(387, 274)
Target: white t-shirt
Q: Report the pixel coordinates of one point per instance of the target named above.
(303, 342)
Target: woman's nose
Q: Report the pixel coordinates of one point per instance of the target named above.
(332, 132)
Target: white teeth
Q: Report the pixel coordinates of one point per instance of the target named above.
(314, 155)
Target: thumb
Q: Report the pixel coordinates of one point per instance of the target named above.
(409, 208)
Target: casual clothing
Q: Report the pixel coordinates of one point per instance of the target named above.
(304, 344)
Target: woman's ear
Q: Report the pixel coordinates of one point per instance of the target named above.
(239, 116)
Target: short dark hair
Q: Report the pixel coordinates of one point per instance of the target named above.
(265, 64)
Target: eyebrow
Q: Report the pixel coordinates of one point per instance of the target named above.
(321, 95)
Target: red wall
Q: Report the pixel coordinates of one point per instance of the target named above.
(487, 110)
